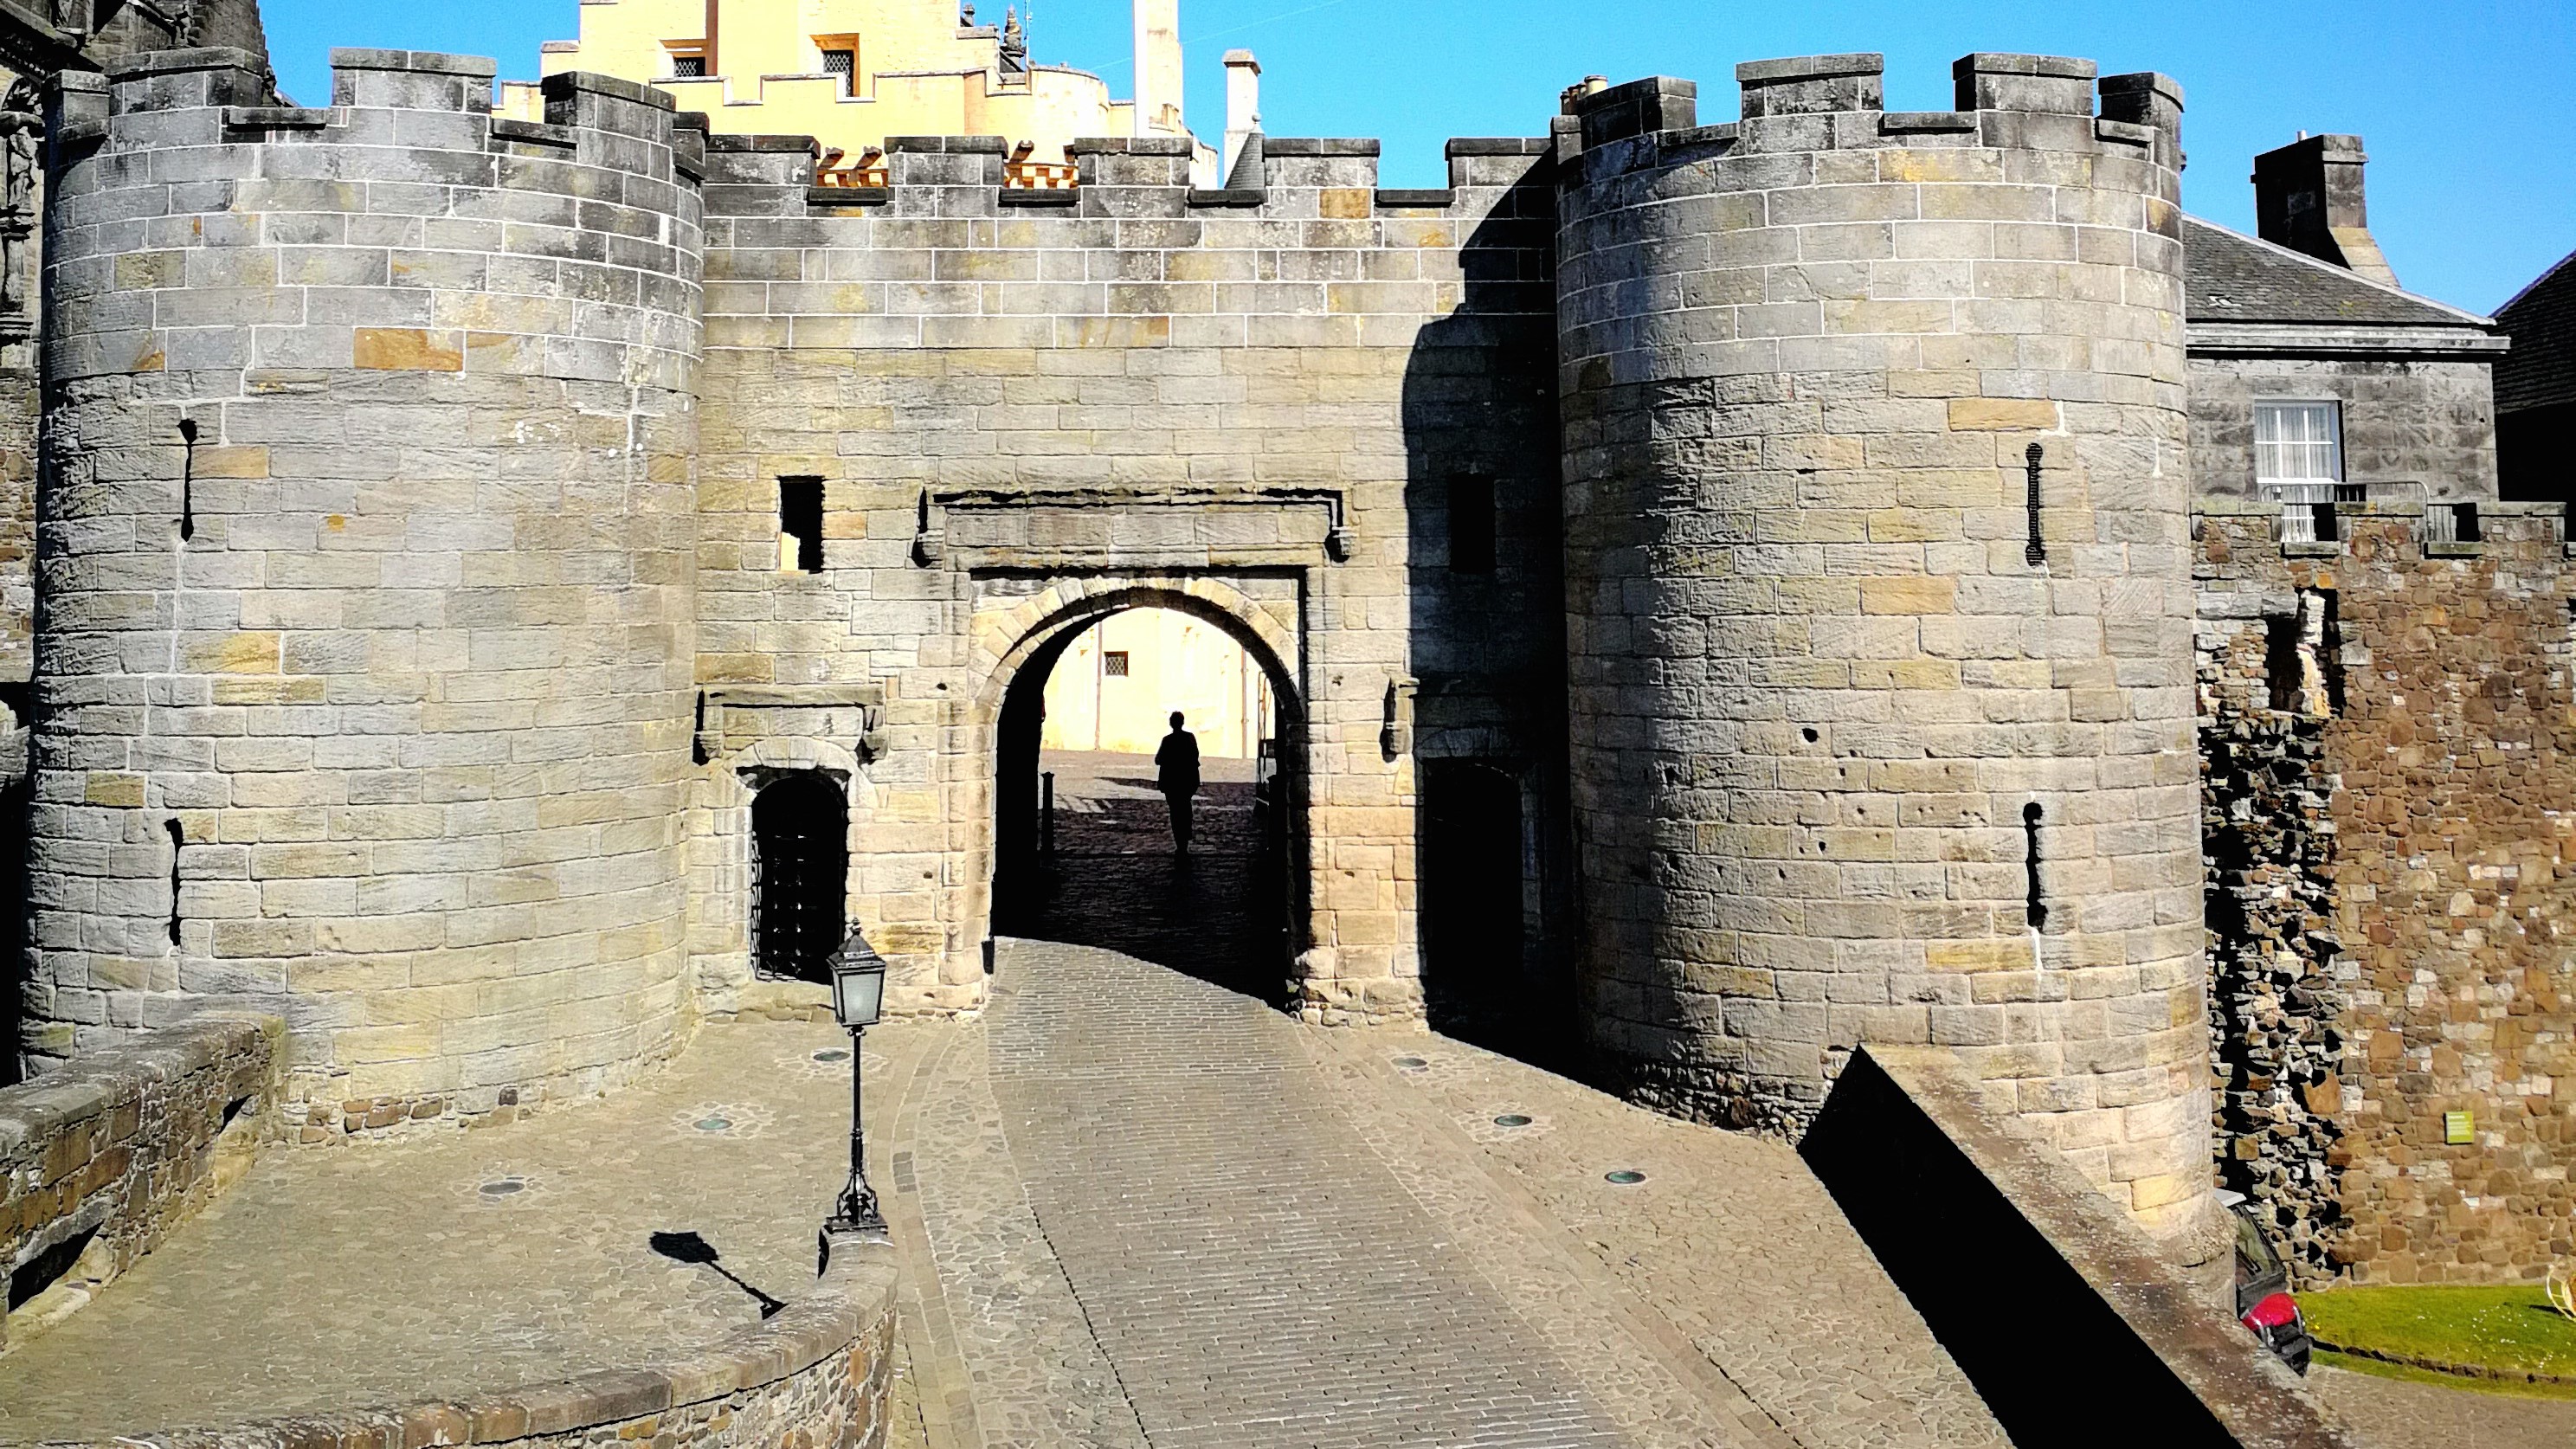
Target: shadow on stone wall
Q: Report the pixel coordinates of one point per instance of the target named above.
(1486, 617)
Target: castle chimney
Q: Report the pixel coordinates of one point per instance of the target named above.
(1158, 68)
(1242, 108)
(2308, 197)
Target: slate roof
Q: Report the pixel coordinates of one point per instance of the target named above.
(2541, 370)
(2231, 277)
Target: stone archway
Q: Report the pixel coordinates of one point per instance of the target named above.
(1019, 646)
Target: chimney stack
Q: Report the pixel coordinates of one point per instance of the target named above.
(1158, 68)
(1242, 109)
(2308, 196)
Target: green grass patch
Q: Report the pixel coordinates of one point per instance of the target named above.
(2499, 1330)
(2505, 1388)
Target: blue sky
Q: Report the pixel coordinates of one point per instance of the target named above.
(2472, 186)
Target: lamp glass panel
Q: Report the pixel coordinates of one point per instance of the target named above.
(858, 994)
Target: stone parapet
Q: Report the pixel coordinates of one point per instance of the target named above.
(100, 1161)
(369, 570)
(1879, 604)
(1956, 1195)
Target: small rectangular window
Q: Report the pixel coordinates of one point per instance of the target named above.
(2298, 442)
(688, 66)
(800, 525)
(1471, 525)
(2451, 523)
(843, 63)
(1113, 662)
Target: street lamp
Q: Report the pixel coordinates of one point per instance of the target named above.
(858, 1000)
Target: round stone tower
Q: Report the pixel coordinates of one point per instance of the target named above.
(1877, 525)
(365, 687)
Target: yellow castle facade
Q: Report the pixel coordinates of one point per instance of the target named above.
(850, 73)
(1117, 687)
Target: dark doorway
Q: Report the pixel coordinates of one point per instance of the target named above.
(1475, 979)
(800, 863)
(1100, 868)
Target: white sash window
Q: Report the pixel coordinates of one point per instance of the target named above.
(2298, 461)
(2298, 442)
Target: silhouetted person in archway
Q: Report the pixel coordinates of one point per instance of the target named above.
(1176, 772)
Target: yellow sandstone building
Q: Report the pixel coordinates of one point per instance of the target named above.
(850, 73)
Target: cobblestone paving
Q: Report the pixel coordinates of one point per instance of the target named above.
(2399, 1415)
(367, 1276)
(1156, 1213)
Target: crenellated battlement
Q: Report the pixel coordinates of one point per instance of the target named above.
(410, 99)
(191, 228)
(1838, 103)
(1118, 177)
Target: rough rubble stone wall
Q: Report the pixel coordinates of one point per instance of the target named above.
(1028, 411)
(2275, 1008)
(1816, 680)
(367, 567)
(2450, 749)
(124, 1146)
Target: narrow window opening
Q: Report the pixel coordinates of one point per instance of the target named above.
(2328, 606)
(178, 840)
(800, 525)
(1113, 663)
(2303, 656)
(47, 1268)
(690, 66)
(188, 481)
(842, 62)
(2281, 670)
(2451, 523)
(1471, 525)
(2036, 552)
(2030, 816)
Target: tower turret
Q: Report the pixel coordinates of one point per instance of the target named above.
(1879, 598)
(367, 574)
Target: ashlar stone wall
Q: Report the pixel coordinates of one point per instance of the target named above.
(1879, 599)
(367, 576)
(1030, 409)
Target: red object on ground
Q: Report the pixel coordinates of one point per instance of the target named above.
(2277, 1311)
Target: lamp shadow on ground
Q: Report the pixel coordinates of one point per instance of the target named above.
(697, 1252)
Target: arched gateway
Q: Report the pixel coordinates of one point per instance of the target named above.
(1040, 629)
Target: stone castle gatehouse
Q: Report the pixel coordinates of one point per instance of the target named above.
(455, 526)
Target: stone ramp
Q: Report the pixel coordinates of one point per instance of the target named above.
(1154, 1212)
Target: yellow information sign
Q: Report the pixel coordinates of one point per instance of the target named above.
(2459, 1129)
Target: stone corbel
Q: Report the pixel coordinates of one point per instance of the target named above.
(929, 543)
(872, 736)
(1395, 737)
(1340, 542)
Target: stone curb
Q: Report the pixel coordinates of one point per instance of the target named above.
(2438, 1366)
(851, 1305)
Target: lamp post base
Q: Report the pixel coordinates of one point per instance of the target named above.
(857, 1211)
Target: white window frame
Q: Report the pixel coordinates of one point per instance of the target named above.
(2270, 454)
(2306, 495)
